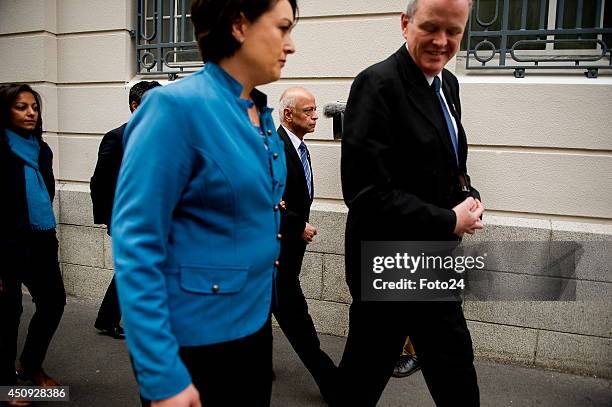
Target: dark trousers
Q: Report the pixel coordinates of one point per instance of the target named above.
(235, 373)
(377, 331)
(291, 312)
(109, 314)
(36, 266)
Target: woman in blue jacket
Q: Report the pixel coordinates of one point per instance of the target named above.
(196, 216)
(28, 244)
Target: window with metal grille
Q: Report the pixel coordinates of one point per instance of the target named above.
(539, 34)
(165, 42)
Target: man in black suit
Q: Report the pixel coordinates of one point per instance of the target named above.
(404, 178)
(298, 114)
(103, 184)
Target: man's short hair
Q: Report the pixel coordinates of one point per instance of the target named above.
(213, 20)
(412, 7)
(139, 89)
(287, 100)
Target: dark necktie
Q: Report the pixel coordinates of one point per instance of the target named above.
(449, 123)
(306, 165)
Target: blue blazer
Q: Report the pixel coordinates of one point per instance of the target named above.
(195, 223)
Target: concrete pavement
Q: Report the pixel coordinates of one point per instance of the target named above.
(97, 369)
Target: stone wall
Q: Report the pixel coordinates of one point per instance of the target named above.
(570, 336)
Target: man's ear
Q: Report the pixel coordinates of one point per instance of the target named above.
(404, 20)
(239, 28)
(288, 115)
(133, 105)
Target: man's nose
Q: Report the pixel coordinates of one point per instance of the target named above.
(440, 39)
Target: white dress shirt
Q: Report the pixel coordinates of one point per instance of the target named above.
(295, 140)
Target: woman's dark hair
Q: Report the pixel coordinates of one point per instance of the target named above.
(8, 95)
(213, 20)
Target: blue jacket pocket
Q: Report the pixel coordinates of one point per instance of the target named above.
(213, 279)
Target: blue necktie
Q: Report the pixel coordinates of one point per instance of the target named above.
(449, 123)
(306, 165)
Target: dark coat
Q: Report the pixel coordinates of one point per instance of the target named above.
(13, 205)
(297, 203)
(400, 179)
(104, 179)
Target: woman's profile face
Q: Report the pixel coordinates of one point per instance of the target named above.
(267, 42)
(24, 112)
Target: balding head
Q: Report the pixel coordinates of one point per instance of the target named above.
(298, 111)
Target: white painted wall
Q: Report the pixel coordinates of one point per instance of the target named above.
(540, 146)
(79, 55)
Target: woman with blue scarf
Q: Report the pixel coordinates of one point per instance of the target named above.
(28, 243)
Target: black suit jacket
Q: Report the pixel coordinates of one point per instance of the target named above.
(104, 180)
(297, 203)
(400, 179)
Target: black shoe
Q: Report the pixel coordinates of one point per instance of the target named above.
(115, 331)
(405, 366)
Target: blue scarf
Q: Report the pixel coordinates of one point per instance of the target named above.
(39, 203)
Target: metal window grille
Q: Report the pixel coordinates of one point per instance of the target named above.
(539, 34)
(165, 42)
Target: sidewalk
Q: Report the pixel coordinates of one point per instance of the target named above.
(97, 369)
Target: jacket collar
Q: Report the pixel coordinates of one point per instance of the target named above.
(290, 151)
(410, 71)
(260, 100)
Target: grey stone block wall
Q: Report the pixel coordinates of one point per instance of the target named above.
(334, 285)
(82, 245)
(524, 332)
(590, 355)
(86, 283)
(574, 336)
(503, 342)
(311, 276)
(85, 250)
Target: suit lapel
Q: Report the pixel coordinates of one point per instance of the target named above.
(289, 149)
(423, 98)
(294, 160)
